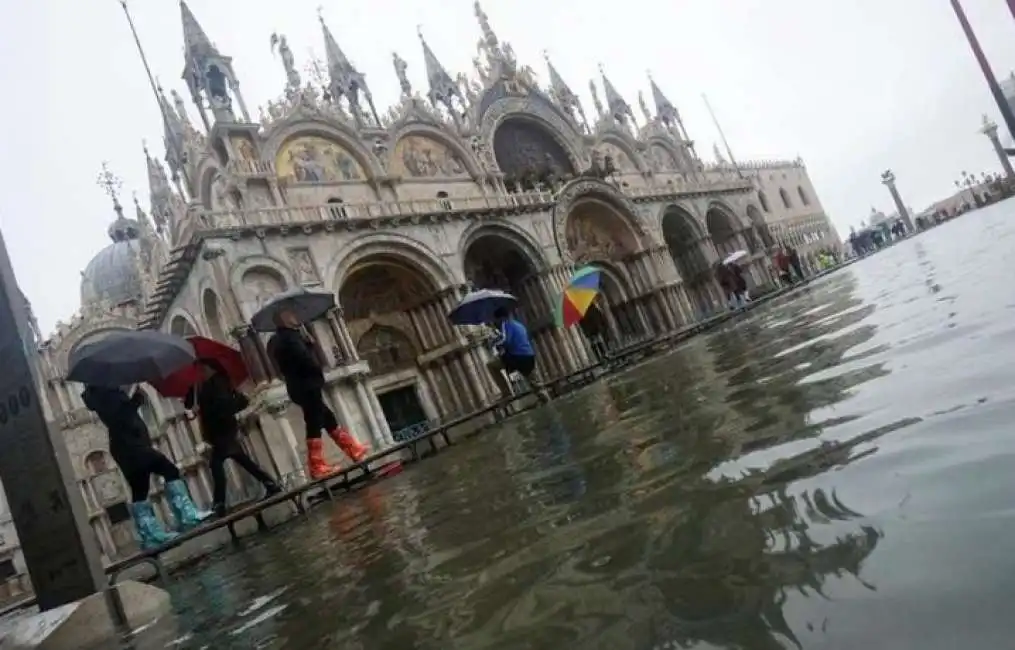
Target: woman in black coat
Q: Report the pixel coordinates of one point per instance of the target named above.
(217, 403)
(294, 357)
(130, 445)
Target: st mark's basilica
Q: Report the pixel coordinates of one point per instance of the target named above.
(481, 180)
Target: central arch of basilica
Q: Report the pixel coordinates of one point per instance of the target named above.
(482, 180)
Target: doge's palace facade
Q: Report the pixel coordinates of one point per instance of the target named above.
(487, 180)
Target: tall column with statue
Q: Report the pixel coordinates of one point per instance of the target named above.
(888, 179)
(989, 129)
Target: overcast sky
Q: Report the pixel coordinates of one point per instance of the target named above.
(852, 86)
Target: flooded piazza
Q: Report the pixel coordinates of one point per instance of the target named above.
(831, 471)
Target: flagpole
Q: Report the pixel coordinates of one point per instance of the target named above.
(981, 58)
(722, 135)
(158, 100)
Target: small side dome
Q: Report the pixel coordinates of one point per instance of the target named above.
(112, 276)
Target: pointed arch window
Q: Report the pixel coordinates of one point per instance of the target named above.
(784, 195)
(764, 201)
(803, 195)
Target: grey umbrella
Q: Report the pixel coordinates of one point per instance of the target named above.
(307, 306)
(129, 357)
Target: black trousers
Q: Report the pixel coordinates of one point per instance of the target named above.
(217, 464)
(317, 417)
(139, 468)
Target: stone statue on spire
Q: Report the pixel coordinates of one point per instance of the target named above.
(644, 108)
(595, 99)
(281, 45)
(400, 71)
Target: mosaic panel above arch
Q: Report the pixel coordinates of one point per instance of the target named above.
(313, 159)
(621, 160)
(382, 286)
(418, 156)
(597, 230)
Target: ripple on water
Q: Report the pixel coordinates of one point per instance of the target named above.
(832, 471)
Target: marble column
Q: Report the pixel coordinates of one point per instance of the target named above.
(291, 446)
(990, 130)
(435, 391)
(383, 428)
(367, 408)
(454, 395)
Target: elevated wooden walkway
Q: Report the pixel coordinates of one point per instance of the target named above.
(431, 439)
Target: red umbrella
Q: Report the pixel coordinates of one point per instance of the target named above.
(228, 359)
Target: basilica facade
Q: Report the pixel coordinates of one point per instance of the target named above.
(485, 180)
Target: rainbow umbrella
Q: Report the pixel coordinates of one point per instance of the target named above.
(578, 296)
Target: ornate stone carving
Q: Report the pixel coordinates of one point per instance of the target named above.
(302, 263)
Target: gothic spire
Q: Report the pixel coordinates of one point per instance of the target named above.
(160, 193)
(667, 112)
(566, 97)
(172, 134)
(337, 60)
(209, 74)
(346, 80)
(195, 41)
(615, 104)
(442, 87)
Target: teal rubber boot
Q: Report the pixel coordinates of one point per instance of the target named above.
(186, 513)
(149, 528)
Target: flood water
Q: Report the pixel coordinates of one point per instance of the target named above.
(835, 470)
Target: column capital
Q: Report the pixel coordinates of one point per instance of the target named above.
(241, 331)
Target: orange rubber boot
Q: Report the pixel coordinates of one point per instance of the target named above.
(316, 464)
(352, 447)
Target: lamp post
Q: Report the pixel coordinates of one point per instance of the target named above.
(981, 58)
(888, 180)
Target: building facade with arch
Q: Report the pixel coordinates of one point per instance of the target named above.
(485, 180)
(788, 203)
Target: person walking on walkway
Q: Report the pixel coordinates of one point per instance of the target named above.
(794, 261)
(782, 266)
(131, 447)
(293, 354)
(515, 354)
(217, 403)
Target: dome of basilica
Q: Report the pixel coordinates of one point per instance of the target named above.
(113, 276)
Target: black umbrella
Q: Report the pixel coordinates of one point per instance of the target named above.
(307, 306)
(129, 357)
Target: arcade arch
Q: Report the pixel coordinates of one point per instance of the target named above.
(760, 228)
(493, 259)
(722, 229)
(685, 243)
(379, 292)
(391, 323)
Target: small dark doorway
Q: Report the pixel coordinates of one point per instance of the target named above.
(403, 411)
(597, 330)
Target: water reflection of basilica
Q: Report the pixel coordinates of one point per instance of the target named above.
(488, 179)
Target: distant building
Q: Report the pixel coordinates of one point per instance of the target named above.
(791, 208)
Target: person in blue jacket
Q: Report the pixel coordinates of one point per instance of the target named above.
(515, 353)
